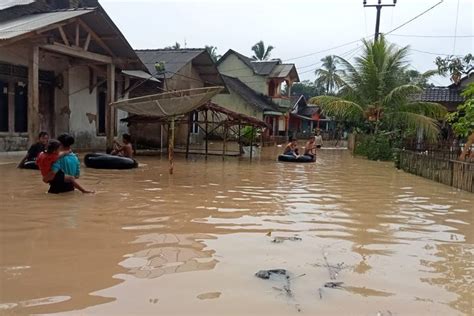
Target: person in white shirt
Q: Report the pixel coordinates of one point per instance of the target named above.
(318, 139)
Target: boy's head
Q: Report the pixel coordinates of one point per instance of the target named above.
(53, 146)
(66, 140)
(43, 138)
(127, 138)
(293, 141)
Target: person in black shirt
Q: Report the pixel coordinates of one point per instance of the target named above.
(35, 149)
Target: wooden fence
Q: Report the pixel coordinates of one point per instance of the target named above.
(459, 174)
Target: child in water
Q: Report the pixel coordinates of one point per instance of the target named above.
(46, 160)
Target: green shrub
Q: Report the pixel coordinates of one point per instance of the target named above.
(375, 147)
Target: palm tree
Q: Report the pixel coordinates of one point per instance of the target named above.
(373, 93)
(175, 46)
(212, 50)
(260, 52)
(328, 75)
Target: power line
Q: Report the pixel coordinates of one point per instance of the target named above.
(414, 18)
(456, 29)
(432, 36)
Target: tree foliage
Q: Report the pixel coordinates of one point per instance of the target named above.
(455, 66)
(307, 88)
(373, 93)
(212, 50)
(175, 46)
(329, 76)
(261, 52)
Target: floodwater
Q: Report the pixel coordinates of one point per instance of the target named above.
(190, 244)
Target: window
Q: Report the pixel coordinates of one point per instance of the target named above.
(101, 103)
(195, 122)
(3, 106)
(21, 108)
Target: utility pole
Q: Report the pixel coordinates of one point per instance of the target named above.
(378, 6)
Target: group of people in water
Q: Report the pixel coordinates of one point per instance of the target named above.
(312, 145)
(59, 165)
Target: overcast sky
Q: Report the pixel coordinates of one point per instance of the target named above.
(295, 27)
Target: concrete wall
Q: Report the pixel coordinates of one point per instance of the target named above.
(234, 67)
(235, 103)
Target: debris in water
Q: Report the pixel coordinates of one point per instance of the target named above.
(280, 239)
(334, 285)
(265, 274)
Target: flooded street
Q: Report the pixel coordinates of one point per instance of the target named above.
(190, 244)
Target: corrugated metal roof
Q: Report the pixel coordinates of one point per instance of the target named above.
(281, 71)
(264, 67)
(12, 3)
(140, 74)
(25, 24)
(174, 59)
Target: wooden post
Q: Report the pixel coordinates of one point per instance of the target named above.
(33, 95)
(171, 145)
(189, 134)
(224, 144)
(11, 106)
(109, 113)
(239, 140)
(251, 144)
(207, 135)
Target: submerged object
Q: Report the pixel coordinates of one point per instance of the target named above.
(30, 164)
(265, 274)
(291, 158)
(105, 161)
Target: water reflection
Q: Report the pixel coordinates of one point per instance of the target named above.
(191, 243)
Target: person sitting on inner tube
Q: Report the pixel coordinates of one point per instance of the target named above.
(310, 149)
(292, 148)
(124, 150)
(35, 149)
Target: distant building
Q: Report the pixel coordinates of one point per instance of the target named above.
(182, 69)
(449, 96)
(261, 89)
(61, 64)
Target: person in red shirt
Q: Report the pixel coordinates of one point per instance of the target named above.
(45, 161)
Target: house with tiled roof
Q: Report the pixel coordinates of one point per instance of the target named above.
(449, 96)
(61, 63)
(259, 88)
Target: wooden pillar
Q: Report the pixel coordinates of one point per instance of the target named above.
(33, 95)
(224, 144)
(109, 112)
(206, 131)
(239, 140)
(171, 145)
(251, 144)
(190, 120)
(11, 106)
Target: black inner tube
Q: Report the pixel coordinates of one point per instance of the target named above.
(105, 161)
(291, 158)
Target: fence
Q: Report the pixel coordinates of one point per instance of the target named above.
(439, 167)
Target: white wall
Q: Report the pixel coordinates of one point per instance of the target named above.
(83, 107)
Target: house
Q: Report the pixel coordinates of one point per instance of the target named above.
(304, 119)
(181, 69)
(449, 96)
(258, 88)
(61, 63)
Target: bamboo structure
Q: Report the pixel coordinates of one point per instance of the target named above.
(171, 145)
(459, 174)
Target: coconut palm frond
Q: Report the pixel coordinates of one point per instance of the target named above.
(400, 94)
(430, 109)
(339, 108)
(429, 73)
(427, 125)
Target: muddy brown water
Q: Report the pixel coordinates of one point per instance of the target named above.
(190, 244)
